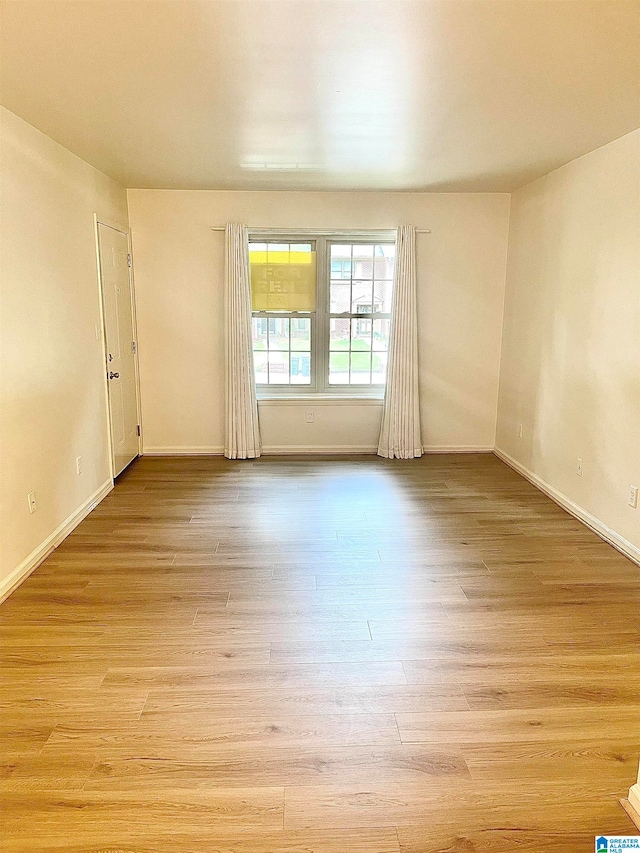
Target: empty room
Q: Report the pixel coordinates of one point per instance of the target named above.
(320, 426)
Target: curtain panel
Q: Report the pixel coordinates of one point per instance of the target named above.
(242, 430)
(400, 436)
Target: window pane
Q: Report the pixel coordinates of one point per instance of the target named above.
(341, 269)
(339, 334)
(339, 368)
(340, 250)
(361, 296)
(340, 298)
(360, 368)
(379, 367)
(300, 368)
(273, 362)
(260, 366)
(283, 278)
(363, 261)
(275, 249)
(259, 330)
(384, 260)
(278, 333)
(361, 334)
(381, 329)
(382, 297)
(278, 368)
(300, 333)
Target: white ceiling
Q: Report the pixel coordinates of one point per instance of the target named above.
(434, 95)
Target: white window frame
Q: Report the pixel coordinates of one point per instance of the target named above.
(319, 386)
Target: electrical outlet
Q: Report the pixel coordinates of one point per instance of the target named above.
(520, 430)
(633, 497)
(79, 465)
(579, 467)
(31, 499)
(309, 416)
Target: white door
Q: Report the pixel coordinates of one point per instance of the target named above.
(120, 345)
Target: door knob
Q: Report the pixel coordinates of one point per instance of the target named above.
(113, 375)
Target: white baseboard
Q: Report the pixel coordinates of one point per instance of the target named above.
(317, 449)
(277, 449)
(457, 448)
(51, 542)
(599, 527)
(185, 450)
(632, 804)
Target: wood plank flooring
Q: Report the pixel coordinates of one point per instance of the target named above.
(340, 655)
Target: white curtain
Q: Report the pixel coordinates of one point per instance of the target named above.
(242, 431)
(400, 436)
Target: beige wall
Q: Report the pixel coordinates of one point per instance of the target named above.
(52, 395)
(571, 347)
(179, 268)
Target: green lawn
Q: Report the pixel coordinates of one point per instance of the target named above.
(344, 345)
(359, 362)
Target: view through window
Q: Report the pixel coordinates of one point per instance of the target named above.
(321, 314)
(360, 312)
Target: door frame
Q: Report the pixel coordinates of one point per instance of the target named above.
(123, 229)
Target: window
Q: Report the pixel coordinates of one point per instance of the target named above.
(321, 314)
(340, 268)
(283, 296)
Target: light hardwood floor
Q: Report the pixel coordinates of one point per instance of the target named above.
(321, 656)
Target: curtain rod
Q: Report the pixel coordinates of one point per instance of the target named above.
(321, 231)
